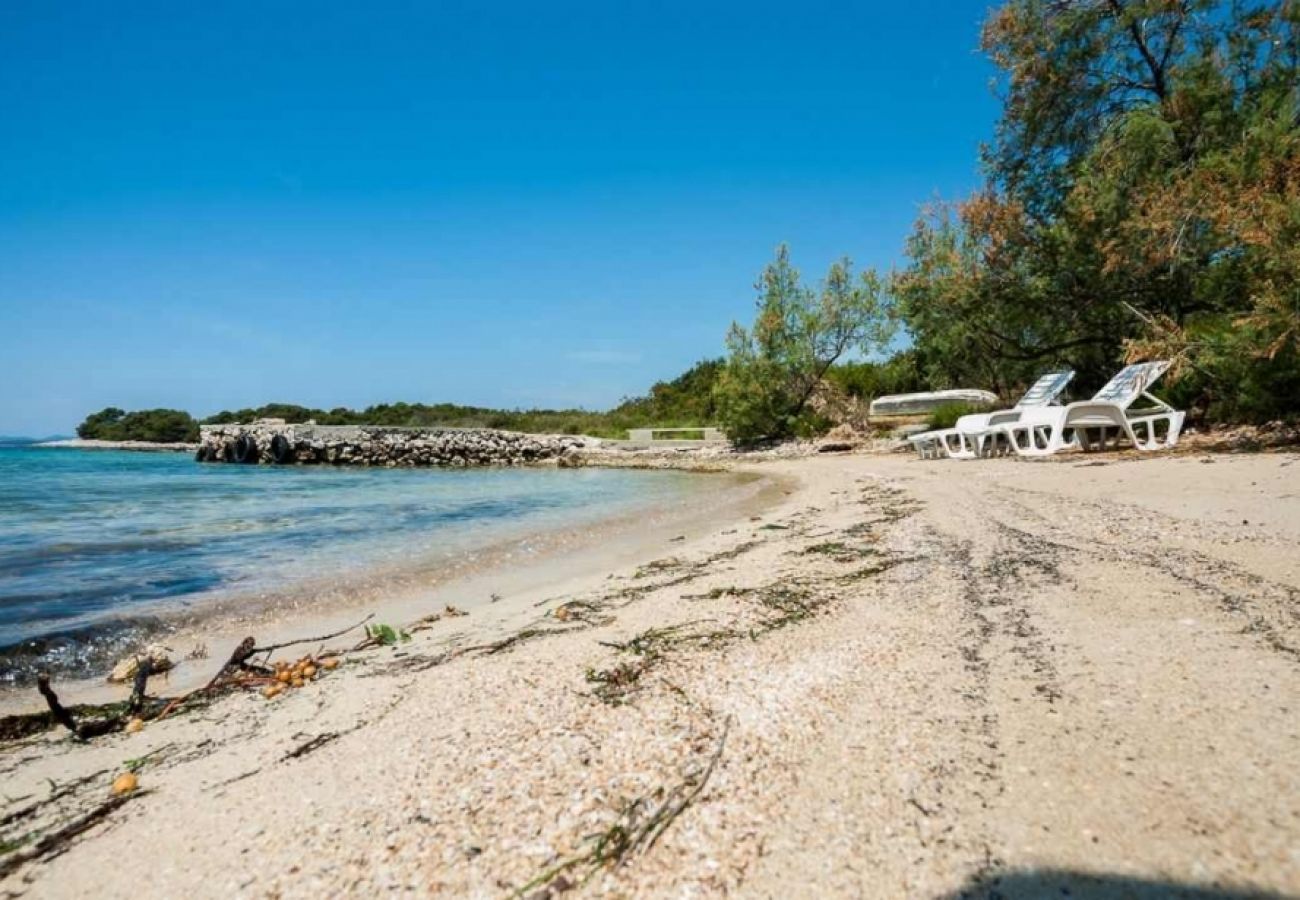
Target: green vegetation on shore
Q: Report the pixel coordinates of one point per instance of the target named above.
(777, 368)
(1141, 201)
(682, 402)
(157, 425)
(686, 401)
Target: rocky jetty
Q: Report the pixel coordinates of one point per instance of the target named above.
(274, 442)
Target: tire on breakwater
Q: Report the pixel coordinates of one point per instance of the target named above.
(281, 449)
(245, 449)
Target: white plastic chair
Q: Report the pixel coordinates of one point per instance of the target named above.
(1104, 420)
(974, 435)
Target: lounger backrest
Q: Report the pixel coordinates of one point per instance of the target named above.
(1131, 381)
(1045, 389)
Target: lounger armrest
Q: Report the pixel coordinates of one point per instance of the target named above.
(1093, 413)
(1007, 416)
(973, 422)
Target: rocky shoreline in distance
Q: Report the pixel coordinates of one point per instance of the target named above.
(142, 446)
(271, 442)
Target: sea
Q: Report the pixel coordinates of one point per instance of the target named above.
(99, 549)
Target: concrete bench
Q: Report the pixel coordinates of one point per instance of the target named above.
(675, 435)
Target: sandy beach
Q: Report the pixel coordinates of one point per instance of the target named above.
(892, 678)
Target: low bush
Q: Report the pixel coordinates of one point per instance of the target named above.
(946, 416)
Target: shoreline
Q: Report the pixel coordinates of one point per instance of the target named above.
(515, 569)
(137, 446)
(904, 678)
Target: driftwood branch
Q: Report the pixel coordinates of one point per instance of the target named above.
(239, 663)
(143, 669)
(238, 659)
(84, 731)
(312, 640)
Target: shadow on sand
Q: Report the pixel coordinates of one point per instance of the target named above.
(1055, 883)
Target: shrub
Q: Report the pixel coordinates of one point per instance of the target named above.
(946, 416)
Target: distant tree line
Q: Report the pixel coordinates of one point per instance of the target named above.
(689, 400)
(685, 401)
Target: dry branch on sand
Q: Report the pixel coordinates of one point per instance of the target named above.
(87, 729)
(240, 670)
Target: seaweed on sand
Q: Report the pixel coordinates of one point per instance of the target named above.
(787, 605)
(55, 842)
(637, 827)
(838, 551)
(649, 648)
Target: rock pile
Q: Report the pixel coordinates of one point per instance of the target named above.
(270, 441)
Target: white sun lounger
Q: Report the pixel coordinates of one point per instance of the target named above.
(1107, 417)
(972, 435)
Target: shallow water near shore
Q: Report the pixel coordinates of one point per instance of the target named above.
(99, 550)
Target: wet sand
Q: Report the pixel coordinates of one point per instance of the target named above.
(902, 679)
(501, 581)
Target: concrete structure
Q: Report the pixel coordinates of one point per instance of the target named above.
(655, 435)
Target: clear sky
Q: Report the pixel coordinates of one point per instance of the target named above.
(215, 205)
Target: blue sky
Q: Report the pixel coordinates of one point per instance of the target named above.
(210, 206)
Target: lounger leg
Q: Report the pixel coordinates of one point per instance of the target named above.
(1145, 434)
(1175, 428)
(988, 445)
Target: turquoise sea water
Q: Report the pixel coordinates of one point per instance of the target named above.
(95, 544)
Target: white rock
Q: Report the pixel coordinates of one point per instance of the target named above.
(126, 668)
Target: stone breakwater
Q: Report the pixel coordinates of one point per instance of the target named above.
(348, 445)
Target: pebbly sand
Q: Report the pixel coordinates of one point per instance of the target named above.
(899, 679)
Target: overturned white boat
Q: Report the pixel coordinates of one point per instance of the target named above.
(928, 401)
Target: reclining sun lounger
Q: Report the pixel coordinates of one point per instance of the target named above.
(970, 436)
(1091, 424)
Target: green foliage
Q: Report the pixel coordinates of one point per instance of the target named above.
(946, 416)
(386, 635)
(159, 425)
(900, 374)
(1142, 201)
(684, 401)
(774, 367)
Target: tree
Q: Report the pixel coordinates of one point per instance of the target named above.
(1142, 198)
(97, 424)
(774, 368)
(158, 425)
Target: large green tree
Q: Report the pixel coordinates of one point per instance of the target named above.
(1142, 198)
